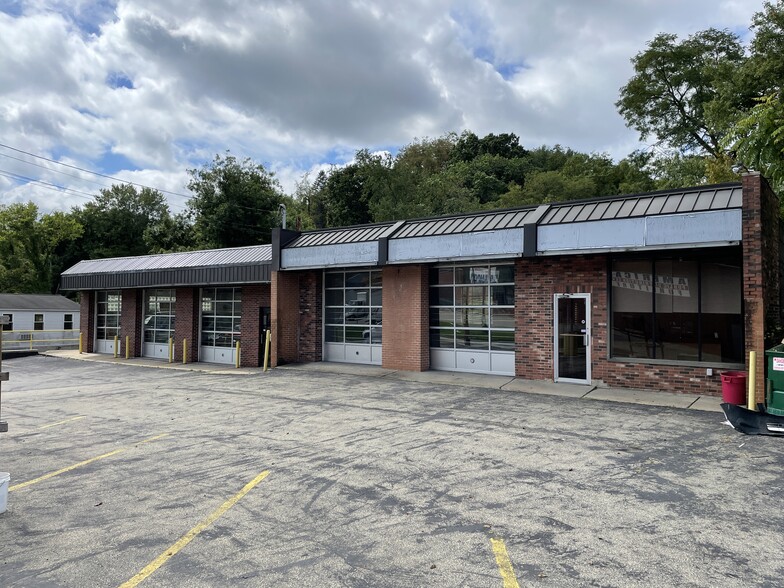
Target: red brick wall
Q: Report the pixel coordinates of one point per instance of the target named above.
(254, 296)
(87, 319)
(537, 280)
(405, 308)
(761, 277)
(284, 296)
(130, 322)
(186, 323)
(310, 316)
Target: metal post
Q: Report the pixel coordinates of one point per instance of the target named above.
(267, 342)
(3, 375)
(81, 348)
(115, 346)
(751, 402)
(237, 356)
(184, 351)
(171, 350)
(127, 347)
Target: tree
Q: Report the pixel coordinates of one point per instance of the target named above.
(170, 234)
(235, 202)
(758, 140)
(685, 93)
(115, 223)
(28, 244)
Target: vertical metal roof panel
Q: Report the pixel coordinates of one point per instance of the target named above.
(599, 211)
(585, 212)
(673, 204)
(736, 200)
(612, 210)
(641, 207)
(558, 214)
(626, 209)
(572, 214)
(687, 202)
(657, 202)
(704, 200)
(721, 199)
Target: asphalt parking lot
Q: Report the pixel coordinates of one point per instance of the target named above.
(125, 475)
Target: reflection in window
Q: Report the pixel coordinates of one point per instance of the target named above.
(221, 313)
(352, 307)
(472, 307)
(678, 309)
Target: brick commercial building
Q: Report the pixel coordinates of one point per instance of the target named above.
(661, 290)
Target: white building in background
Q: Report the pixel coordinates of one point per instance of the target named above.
(39, 321)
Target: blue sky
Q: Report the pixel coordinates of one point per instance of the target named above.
(146, 89)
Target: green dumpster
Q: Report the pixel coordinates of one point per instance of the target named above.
(774, 385)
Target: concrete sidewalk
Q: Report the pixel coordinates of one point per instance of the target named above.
(590, 392)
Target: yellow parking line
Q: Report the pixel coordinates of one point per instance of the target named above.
(81, 463)
(190, 535)
(76, 418)
(504, 564)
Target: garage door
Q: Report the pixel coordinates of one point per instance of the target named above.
(108, 307)
(221, 311)
(158, 325)
(352, 316)
(472, 318)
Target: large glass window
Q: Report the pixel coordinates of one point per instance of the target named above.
(352, 307)
(472, 307)
(221, 312)
(678, 308)
(107, 316)
(159, 315)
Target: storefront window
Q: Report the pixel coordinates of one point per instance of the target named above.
(678, 308)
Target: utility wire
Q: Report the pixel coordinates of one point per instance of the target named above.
(92, 172)
(44, 184)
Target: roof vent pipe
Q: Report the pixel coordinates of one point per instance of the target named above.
(282, 209)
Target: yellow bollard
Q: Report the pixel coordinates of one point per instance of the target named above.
(115, 346)
(237, 362)
(751, 402)
(267, 342)
(184, 351)
(171, 350)
(127, 347)
(81, 347)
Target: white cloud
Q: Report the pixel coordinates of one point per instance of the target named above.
(300, 85)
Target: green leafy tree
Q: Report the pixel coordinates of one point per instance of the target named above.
(685, 93)
(28, 244)
(169, 234)
(234, 202)
(116, 221)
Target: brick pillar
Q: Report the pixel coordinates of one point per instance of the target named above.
(186, 323)
(253, 298)
(405, 320)
(87, 319)
(130, 322)
(310, 313)
(284, 295)
(761, 269)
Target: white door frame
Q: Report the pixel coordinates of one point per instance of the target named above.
(587, 298)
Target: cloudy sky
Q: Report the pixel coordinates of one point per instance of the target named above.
(144, 89)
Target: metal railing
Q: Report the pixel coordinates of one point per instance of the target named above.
(31, 339)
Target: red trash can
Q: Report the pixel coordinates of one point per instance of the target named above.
(733, 387)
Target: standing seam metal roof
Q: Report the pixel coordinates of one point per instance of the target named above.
(187, 259)
(358, 234)
(693, 200)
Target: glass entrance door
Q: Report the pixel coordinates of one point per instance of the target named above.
(572, 315)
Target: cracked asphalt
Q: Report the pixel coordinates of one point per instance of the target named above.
(372, 483)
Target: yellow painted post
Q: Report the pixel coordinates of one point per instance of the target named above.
(237, 355)
(751, 402)
(127, 347)
(81, 347)
(115, 346)
(267, 342)
(184, 351)
(31, 341)
(171, 350)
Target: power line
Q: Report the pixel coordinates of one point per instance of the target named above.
(51, 186)
(92, 172)
(44, 184)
